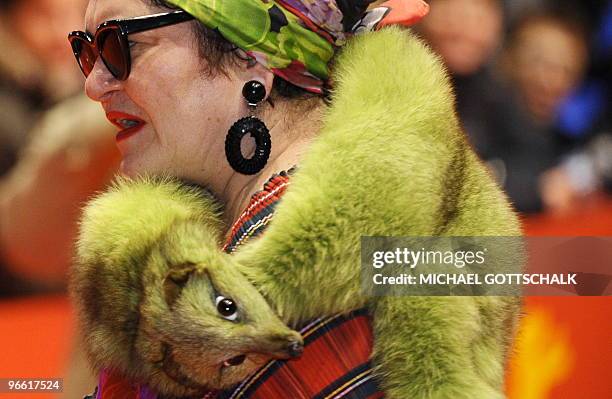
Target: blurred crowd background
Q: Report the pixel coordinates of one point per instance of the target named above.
(532, 78)
(533, 91)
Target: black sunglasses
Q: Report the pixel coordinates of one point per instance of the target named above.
(111, 43)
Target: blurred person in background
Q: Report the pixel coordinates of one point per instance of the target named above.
(54, 158)
(545, 61)
(469, 35)
(16, 103)
(465, 33)
(32, 30)
(584, 119)
(34, 68)
(509, 90)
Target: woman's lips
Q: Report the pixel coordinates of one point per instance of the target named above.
(129, 124)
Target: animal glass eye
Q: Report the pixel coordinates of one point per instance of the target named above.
(227, 308)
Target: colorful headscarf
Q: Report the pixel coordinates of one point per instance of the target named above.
(296, 39)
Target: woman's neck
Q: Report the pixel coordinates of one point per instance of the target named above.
(291, 137)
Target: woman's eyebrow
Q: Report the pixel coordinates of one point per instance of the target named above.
(103, 16)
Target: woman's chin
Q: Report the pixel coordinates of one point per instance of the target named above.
(143, 163)
(132, 167)
(124, 169)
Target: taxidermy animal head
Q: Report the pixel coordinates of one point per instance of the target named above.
(180, 317)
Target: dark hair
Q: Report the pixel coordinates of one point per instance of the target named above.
(568, 18)
(219, 55)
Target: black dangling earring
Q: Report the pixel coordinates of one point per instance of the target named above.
(254, 92)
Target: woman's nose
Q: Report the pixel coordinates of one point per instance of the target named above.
(100, 83)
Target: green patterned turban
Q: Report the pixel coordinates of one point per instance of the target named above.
(296, 39)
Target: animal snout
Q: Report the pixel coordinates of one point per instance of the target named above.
(295, 349)
(286, 346)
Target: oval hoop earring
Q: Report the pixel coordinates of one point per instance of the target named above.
(254, 92)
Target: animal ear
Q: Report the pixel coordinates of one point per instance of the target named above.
(175, 281)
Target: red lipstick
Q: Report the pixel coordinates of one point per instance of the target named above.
(128, 124)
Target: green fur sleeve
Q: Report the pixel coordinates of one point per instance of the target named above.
(392, 160)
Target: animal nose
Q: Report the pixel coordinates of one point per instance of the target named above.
(295, 349)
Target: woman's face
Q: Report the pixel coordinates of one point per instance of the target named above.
(181, 114)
